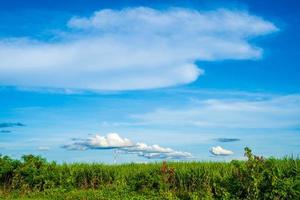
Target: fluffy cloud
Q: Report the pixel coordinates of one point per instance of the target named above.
(156, 151)
(110, 141)
(142, 147)
(270, 112)
(219, 151)
(133, 48)
(113, 140)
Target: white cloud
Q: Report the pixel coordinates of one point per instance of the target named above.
(75, 146)
(142, 147)
(43, 148)
(113, 140)
(156, 151)
(171, 155)
(133, 48)
(273, 112)
(219, 151)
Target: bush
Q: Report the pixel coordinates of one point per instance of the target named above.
(256, 178)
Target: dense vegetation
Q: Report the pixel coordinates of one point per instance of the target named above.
(257, 178)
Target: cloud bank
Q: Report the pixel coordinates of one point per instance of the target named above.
(132, 48)
(219, 151)
(114, 141)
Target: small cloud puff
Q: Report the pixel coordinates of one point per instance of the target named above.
(43, 148)
(219, 151)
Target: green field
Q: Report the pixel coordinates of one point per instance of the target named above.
(33, 177)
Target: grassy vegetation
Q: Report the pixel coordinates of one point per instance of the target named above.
(257, 178)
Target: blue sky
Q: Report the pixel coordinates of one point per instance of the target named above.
(173, 77)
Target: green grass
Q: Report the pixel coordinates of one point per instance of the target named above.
(257, 178)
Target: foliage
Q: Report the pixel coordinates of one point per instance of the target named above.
(33, 177)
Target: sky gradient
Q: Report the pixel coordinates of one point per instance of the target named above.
(172, 79)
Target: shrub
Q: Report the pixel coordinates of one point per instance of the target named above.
(256, 178)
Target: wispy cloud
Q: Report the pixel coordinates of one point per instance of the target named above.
(170, 155)
(272, 112)
(11, 124)
(219, 151)
(114, 141)
(133, 48)
(5, 131)
(43, 148)
(227, 139)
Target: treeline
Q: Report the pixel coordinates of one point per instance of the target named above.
(256, 178)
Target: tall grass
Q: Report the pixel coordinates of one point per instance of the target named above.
(256, 178)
